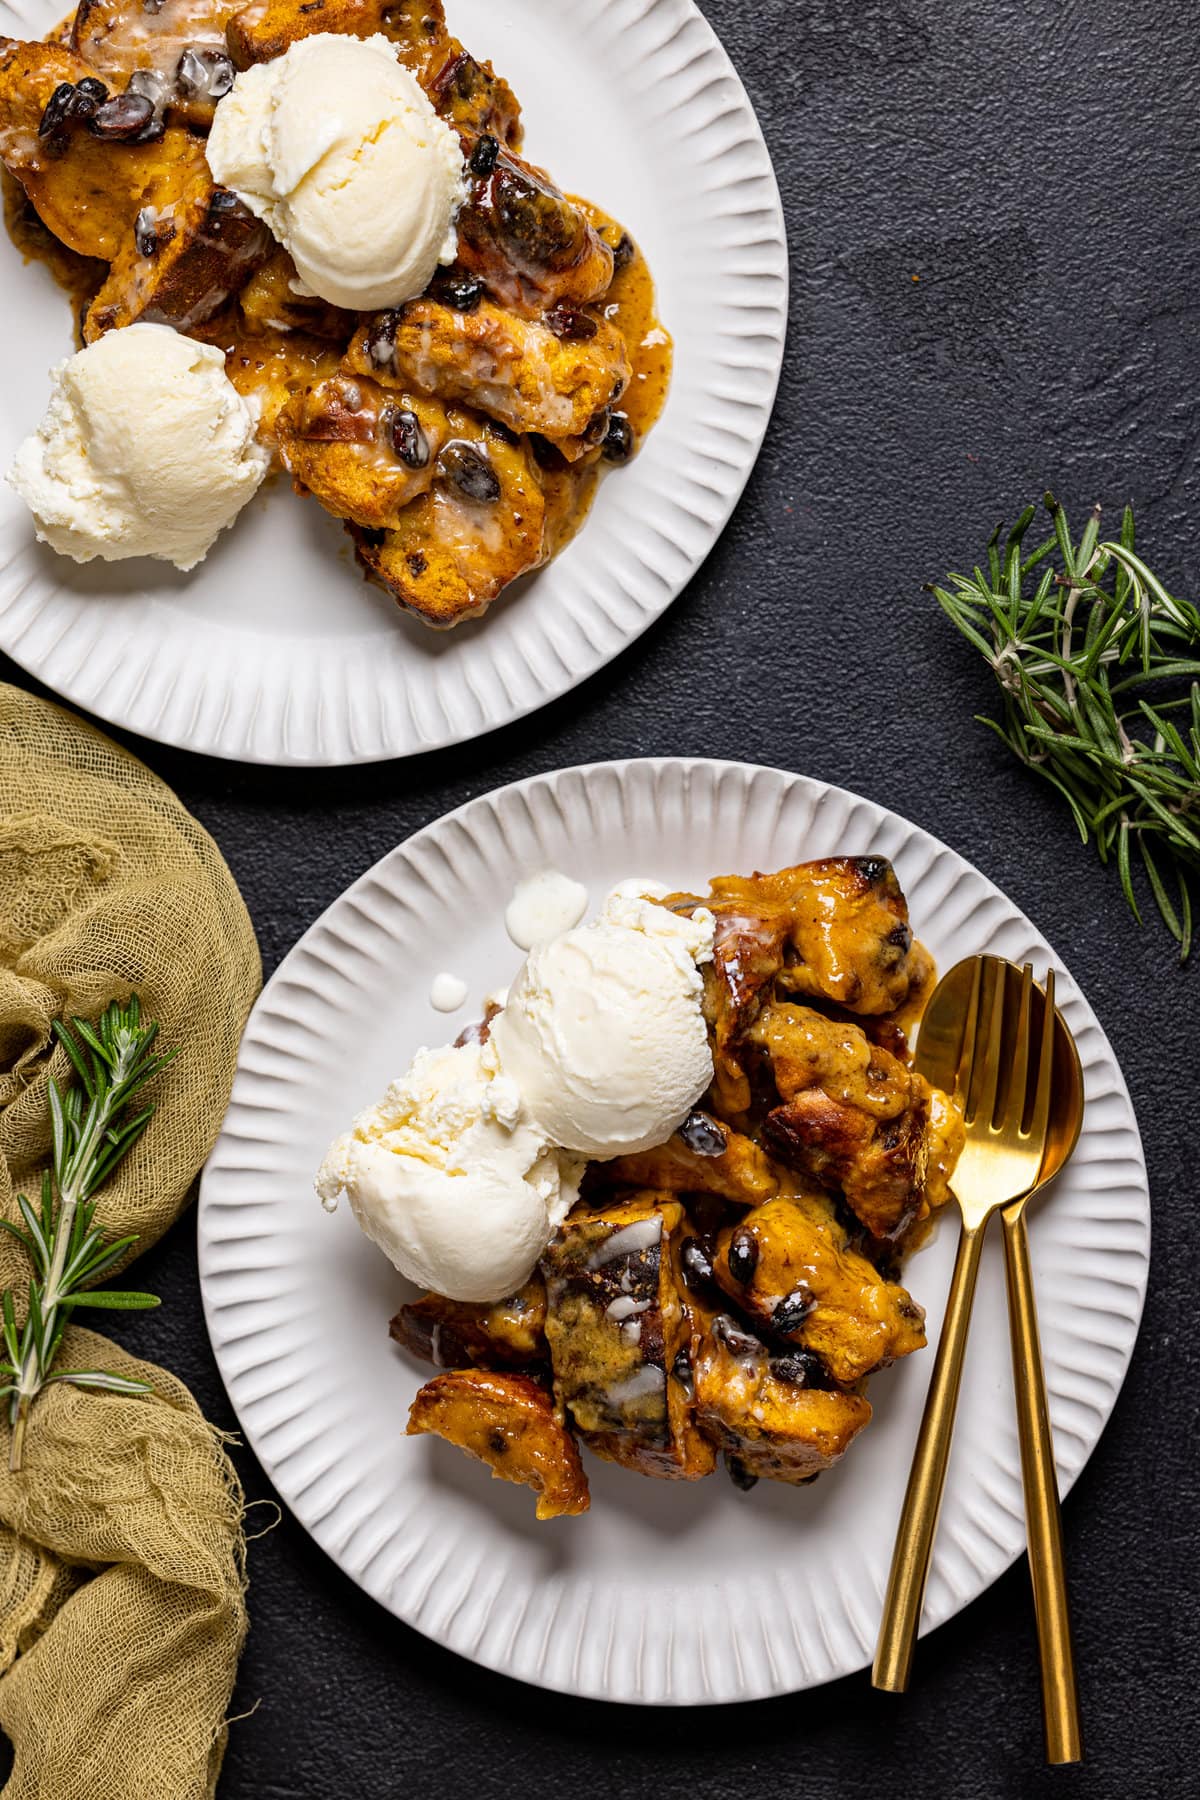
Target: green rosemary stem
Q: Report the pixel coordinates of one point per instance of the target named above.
(94, 1126)
(1098, 667)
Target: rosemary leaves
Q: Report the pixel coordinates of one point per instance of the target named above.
(93, 1125)
(1099, 668)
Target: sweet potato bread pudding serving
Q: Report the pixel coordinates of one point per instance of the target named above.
(662, 1193)
(314, 218)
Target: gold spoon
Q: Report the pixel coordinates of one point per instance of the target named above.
(937, 1058)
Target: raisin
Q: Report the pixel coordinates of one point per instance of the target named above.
(408, 440)
(871, 869)
(800, 1368)
(790, 1369)
(204, 74)
(89, 95)
(462, 293)
(696, 1264)
(484, 155)
(58, 110)
(145, 232)
(618, 439)
(125, 119)
(570, 322)
(381, 338)
(150, 84)
(220, 75)
(901, 936)
(545, 454)
(417, 564)
(793, 1309)
(681, 1369)
(739, 1474)
(226, 219)
(596, 429)
(470, 471)
(743, 1256)
(503, 434)
(623, 253)
(727, 1331)
(191, 73)
(702, 1135)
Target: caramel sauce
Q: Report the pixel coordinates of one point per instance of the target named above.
(269, 366)
(632, 306)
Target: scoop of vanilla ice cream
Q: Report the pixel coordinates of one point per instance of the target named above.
(146, 449)
(603, 1031)
(451, 1178)
(338, 148)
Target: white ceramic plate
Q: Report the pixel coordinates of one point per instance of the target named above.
(664, 1591)
(275, 649)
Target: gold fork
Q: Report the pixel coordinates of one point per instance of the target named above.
(1003, 1085)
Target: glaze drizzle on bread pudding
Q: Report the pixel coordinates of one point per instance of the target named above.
(459, 433)
(726, 1278)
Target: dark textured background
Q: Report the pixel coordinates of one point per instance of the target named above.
(1034, 164)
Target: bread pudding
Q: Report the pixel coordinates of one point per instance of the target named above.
(727, 1292)
(459, 436)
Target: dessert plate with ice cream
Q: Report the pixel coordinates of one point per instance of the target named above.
(629, 1253)
(325, 355)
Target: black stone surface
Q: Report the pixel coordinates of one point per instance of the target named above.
(995, 239)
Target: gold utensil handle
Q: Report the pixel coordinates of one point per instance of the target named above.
(1043, 1523)
(927, 1478)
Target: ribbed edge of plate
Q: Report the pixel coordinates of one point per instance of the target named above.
(747, 1620)
(265, 696)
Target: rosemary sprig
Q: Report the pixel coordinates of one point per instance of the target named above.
(1098, 665)
(93, 1126)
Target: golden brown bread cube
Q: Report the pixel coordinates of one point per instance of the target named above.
(508, 1422)
(362, 452)
(505, 1334)
(705, 1156)
(190, 251)
(268, 302)
(835, 929)
(616, 1325)
(182, 42)
(515, 369)
(86, 189)
(533, 248)
(760, 1410)
(270, 368)
(480, 524)
(473, 98)
(788, 1265)
(268, 28)
(854, 1116)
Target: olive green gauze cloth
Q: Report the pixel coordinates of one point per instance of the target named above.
(122, 1581)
